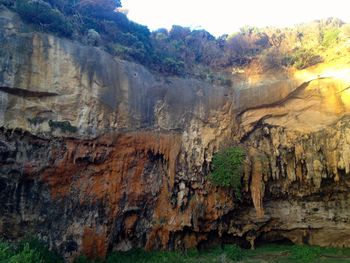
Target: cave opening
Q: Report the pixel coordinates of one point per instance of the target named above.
(272, 238)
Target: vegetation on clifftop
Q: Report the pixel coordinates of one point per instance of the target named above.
(182, 51)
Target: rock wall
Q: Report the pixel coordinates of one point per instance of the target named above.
(298, 148)
(99, 154)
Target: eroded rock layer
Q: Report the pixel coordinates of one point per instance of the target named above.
(98, 154)
(118, 191)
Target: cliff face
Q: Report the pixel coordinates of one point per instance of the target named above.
(99, 154)
(298, 149)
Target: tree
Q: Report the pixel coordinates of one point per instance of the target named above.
(42, 13)
(99, 5)
(300, 36)
(276, 39)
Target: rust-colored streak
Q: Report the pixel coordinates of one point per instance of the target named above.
(94, 244)
(110, 173)
(157, 233)
(111, 160)
(108, 170)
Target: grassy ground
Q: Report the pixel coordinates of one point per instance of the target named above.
(35, 252)
(230, 253)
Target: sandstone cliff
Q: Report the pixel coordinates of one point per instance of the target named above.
(99, 154)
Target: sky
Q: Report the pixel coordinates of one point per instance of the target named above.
(227, 16)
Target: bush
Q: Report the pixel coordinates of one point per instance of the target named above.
(120, 36)
(27, 251)
(41, 13)
(139, 255)
(41, 249)
(98, 7)
(64, 126)
(26, 255)
(36, 120)
(135, 255)
(330, 37)
(305, 253)
(227, 168)
(5, 252)
(303, 58)
(93, 38)
(234, 252)
(173, 66)
(83, 259)
(8, 3)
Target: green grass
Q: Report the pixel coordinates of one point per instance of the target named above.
(232, 253)
(27, 251)
(33, 251)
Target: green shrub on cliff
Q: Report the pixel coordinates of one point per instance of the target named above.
(173, 66)
(227, 169)
(303, 58)
(41, 13)
(8, 3)
(64, 126)
(182, 51)
(331, 37)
